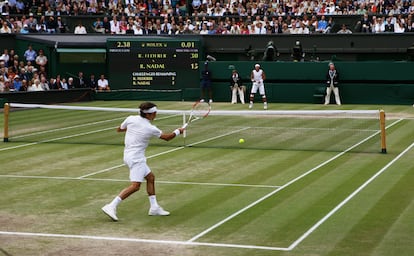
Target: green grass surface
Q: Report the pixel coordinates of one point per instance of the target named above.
(282, 192)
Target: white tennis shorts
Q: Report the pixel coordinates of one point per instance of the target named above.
(258, 86)
(138, 169)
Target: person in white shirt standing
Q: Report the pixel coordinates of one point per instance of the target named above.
(258, 76)
(139, 131)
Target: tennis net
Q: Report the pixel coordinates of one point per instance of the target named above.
(313, 130)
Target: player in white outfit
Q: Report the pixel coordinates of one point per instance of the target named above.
(139, 131)
(258, 76)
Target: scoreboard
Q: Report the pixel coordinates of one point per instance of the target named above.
(153, 63)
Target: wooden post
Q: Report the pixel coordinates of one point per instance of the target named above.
(382, 128)
(6, 122)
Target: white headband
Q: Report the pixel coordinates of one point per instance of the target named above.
(150, 110)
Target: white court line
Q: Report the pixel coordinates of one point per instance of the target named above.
(55, 139)
(189, 242)
(283, 187)
(121, 180)
(66, 128)
(346, 200)
(139, 240)
(192, 243)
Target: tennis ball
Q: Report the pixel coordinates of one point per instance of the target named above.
(241, 141)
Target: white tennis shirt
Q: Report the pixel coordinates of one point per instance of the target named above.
(138, 134)
(257, 75)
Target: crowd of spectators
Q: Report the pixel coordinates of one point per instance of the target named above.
(28, 72)
(173, 17)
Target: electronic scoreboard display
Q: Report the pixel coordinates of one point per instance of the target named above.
(153, 63)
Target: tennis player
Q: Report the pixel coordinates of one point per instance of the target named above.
(139, 130)
(258, 76)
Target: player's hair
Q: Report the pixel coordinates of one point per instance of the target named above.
(145, 106)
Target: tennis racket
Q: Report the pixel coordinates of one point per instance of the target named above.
(199, 111)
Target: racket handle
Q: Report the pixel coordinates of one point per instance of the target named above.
(185, 125)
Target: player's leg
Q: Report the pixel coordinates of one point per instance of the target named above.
(263, 94)
(110, 209)
(252, 93)
(337, 98)
(328, 95)
(210, 93)
(137, 172)
(155, 208)
(203, 89)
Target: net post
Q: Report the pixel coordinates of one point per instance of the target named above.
(382, 129)
(6, 111)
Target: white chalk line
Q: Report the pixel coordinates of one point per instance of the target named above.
(346, 200)
(68, 136)
(140, 240)
(190, 242)
(201, 234)
(125, 180)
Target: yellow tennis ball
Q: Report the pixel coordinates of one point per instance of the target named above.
(241, 141)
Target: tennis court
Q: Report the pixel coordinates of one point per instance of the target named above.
(299, 185)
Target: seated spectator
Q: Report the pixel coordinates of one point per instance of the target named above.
(24, 29)
(364, 25)
(36, 86)
(44, 83)
(25, 86)
(61, 26)
(2, 86)
(114, 29)
(344, 30)
(322, 25)
(80, 81)
(57, 83)
(378, 25)
(5, 57)
(80, 29)
(92, 82)
(5, 29)
(17, 83)
(51, 25)
(64, 84)
(103, 84)
(71, 83)
(8, 86)
(98, 26)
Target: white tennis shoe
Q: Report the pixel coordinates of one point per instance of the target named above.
(250, 105)
(158, 211)
(110, 211)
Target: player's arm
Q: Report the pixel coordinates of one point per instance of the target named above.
(172, 135)
(252, 76)
(263, 75)
(119, 129)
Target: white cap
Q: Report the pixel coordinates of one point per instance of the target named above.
(257, 66)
